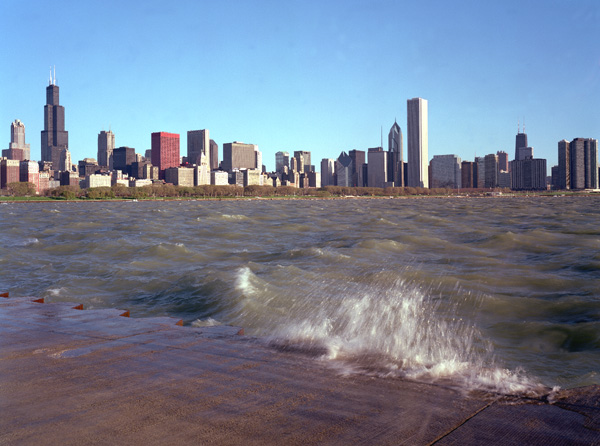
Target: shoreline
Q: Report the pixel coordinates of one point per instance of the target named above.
(75, 376)
(3, 200)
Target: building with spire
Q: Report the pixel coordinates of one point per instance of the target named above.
(55, 140)
(522, 149)
(17, 149)
(526, 172)
(395, 156)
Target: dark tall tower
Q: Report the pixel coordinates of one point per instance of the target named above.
(395, 156)
(584, 163)
(55, 140)
(358, 167)
(521, 144)
(564, 165)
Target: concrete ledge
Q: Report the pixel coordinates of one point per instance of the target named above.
(69, 376)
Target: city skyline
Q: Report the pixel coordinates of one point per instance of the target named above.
(323, 82)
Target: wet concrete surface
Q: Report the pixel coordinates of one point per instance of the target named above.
(70, 376)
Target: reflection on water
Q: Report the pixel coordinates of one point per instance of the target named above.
(498, 293)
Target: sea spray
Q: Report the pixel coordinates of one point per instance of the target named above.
(380, 325)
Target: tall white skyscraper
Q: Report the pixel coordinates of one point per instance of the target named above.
(418, 143)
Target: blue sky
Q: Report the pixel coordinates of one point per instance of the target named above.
(305, 75)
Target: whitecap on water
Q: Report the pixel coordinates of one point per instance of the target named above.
(362, 327)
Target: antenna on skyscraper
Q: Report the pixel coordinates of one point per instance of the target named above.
(50, 79)
(54, 83)
(382, 137)
(523, 124)
(518, 125)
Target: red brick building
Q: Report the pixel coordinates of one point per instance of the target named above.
(165, 151)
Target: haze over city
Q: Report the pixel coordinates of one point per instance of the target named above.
(291, 76)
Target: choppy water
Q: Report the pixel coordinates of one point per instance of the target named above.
(494, 293)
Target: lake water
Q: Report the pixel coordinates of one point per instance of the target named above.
(487, 293)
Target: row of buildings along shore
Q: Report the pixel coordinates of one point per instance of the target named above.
(241, 164)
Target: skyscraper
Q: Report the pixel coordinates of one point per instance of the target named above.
(564, 165)
(520, 143)
(584, 163)
(466, 174)
(55, 139)
(305, 165)
(359, 167)
(123, 158)
(418, 143)
(165, 151)
(479, 172)
(198, 147)
(282, 161)
(343, 170)
(106, 146)
(327, 172)
(17, 149)
(445, 171)
(395, 156)
(237, 155)
(491, 171)
(502, 161)
(214, 155)
(377, 167)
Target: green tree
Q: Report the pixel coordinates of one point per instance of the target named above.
(21, 189)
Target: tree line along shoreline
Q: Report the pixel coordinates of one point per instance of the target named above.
(26, 192)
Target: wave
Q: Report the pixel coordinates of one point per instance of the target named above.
(394, 330)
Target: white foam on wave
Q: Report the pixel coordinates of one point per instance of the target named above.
(210, 322)
(234, 217)
(398, 330)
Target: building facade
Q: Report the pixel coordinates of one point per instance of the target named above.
(17, 149)
(377, 167)
(491, 171)
(106, 145)
(466, 175)
(529, 174)
(198, 147)
(563, 180)
(343, 170)
(445, 171)
(55, 139)
(584, 163)
(282, 161)
(418, 143)
(479, 172)
(237, 155)
(395, 156)
(123, 159)
(502, 161)
(520, 143)
(303, 160)
(214, 155)
(165, 151)
(359, 167)
(327, 172)
(180, 176)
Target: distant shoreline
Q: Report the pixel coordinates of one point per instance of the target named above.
(7, 200)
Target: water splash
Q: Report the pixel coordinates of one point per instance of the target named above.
(380, 325)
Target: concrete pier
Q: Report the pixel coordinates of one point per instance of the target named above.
(73, 376)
